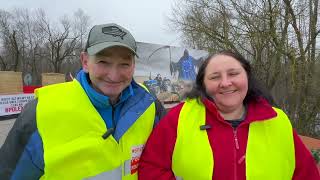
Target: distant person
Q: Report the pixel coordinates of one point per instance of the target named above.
(93, 127)
(151, 84)
(226, 130)
(158, 78)
(165, 85)
(186, 67)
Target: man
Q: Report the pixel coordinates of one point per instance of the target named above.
(93, 127)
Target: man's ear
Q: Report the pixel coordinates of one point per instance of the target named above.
(84, 57)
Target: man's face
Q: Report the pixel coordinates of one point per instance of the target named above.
(110, 71)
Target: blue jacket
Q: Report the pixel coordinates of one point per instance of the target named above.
(31, 163)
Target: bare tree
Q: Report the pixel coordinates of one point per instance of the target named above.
(62, 39)
(81, 24)
(22, 42)
(31, 40)
(32, 43)
(278, 36)
(9, 41)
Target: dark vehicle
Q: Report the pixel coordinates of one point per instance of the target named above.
(153, 86)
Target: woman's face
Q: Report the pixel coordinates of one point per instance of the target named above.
(226, 81)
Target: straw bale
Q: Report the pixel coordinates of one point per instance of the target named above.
(10, 82)
(52, 78)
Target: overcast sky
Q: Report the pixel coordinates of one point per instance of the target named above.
(145, 19)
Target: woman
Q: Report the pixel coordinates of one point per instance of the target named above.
(227, 129)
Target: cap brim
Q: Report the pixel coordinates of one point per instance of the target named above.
(93, 50)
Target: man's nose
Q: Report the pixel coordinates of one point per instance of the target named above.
(114, 73)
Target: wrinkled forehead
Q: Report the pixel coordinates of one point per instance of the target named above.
(116, 51)
(113, 58)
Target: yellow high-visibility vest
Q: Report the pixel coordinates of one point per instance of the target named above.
(71, 130)
(270, 153)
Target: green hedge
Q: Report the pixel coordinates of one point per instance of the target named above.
(316, 154)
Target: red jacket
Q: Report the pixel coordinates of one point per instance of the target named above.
(228, 145)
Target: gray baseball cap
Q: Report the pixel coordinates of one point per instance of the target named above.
(109, 35)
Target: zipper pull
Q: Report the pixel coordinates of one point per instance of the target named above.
(241, 159)
(236, 139)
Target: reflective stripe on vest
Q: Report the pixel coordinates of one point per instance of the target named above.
(113, 174)
(269, 155)
(74, 148)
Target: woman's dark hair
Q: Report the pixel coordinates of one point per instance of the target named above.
(255, 90)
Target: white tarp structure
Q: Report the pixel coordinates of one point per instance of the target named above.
(167, 70)
(156, 59)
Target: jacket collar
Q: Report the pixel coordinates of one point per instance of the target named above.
(97, 99)
(259, 110)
